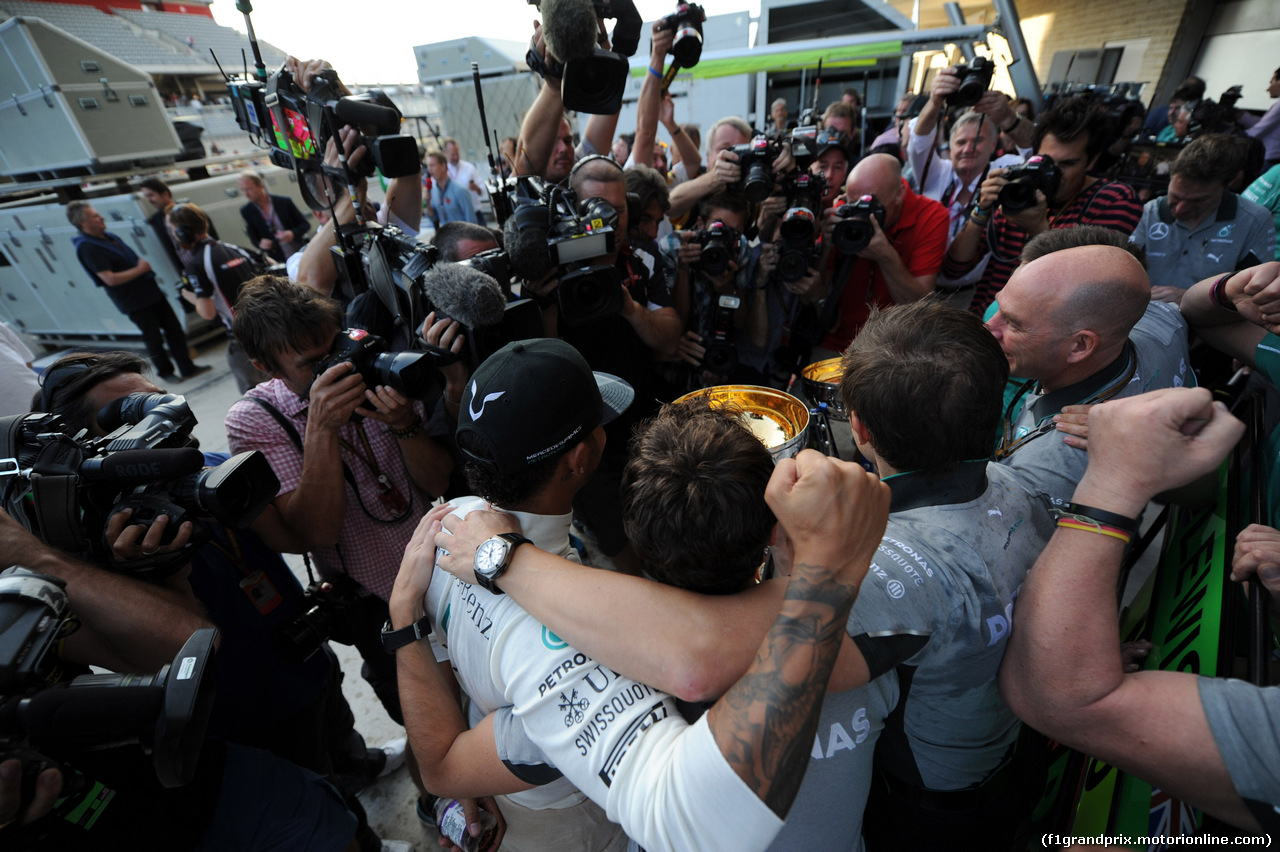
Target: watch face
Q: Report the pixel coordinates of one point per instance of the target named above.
(490, 555)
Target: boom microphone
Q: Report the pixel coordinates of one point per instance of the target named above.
(526, 250)
(464, 294)
(143, 465)
(570, 28)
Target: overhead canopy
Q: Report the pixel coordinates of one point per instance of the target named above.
(840, 52)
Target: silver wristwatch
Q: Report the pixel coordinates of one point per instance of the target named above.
(493, 557)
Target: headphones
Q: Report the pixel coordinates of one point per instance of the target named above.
(183, 233)
(594, 157)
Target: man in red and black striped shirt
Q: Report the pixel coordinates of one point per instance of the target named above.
(1073, 134)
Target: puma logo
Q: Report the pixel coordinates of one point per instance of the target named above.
(475, 415)
(995, 512)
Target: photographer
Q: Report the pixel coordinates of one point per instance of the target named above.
(214, 272)
(403, 206)
(716, 297)
(723, 170)
(955, 181)
(237, 798)
(1072, 135)
(900, 263)
(292, 708)
(351, 491)
(545, 146)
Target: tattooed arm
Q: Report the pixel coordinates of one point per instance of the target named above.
(764, 725)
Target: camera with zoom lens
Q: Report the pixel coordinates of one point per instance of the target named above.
(66, 488)
(721, 356)
(338, 608)
(719, 247)
(755, 159)
(47, 724)
(411, 374)
(686, 22)
(1037, 173)
(975, 79)
(854, 232)
(595, 84)
(493, 263)
(798, 231)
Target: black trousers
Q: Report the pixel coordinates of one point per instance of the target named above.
(159, 325)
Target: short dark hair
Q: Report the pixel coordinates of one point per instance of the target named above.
(693, 498)
(451, 233)
(1072, 118)
(274, 315)
(505, 488)
(1190, 89)
(928, 382)
(77, 373)
(724, 199)
(1078, 236)
(1212, 158)
(155, 185)
(648, 186)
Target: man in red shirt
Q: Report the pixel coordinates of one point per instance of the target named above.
(898, 266)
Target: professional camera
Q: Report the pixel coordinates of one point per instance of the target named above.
(686, 22)
(338, 608)
(721, 355)
(1210, 117)
(595, 84)
(65, 488)
(719, 246)
(411, 374)
(975, 79)
(854, 232)
(756, 161)
(574, 235)
(1038, 172)
(798, 232)
(45, 724)
(493, 263)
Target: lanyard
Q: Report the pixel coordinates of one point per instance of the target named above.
(392, 500)
(1007, 443)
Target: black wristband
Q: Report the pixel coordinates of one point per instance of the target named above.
(1111, 519)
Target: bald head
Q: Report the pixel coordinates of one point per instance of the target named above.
(879, 175)
(1103, 288)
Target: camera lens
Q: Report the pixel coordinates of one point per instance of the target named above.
(792, 265)
(758, 183)
(302, 637)
(852, 236)
(1018, 195)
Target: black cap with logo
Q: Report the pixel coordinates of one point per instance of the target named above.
(532, 400)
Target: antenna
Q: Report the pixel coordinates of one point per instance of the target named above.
(484, 122)
(247, 8)
(817, 83)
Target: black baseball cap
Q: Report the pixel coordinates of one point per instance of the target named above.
(531, 401)
(828, 139)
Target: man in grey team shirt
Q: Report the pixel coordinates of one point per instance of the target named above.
(933, 613)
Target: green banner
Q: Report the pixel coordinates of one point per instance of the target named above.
(854, 56)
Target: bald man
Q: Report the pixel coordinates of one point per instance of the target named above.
(1077, 323)
(901, 263)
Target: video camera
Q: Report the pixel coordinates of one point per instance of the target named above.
(755, 159)
(65, 488)
(1037, 173)
(798, 231)
(575, 233)
(594, 83)
(854, 232)
(46, 725)
(719, 246)
(975, 78)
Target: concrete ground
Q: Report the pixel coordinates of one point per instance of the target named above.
(389, 802)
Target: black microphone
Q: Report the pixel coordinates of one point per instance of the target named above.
(569, 28)
(143, 465)
(464, 294)
(526, 250)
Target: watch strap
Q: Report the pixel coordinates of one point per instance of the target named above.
(394, 640)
